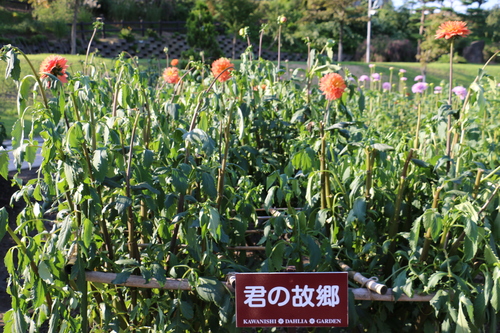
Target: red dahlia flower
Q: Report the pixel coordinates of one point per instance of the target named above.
(171, 75)
(452, 29)
(55, 65)
(332, 85)
(219, 65)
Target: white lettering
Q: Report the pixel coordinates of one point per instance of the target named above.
(328, 295)
(303, 296)
(277, 292)
(255, 296)
(329, 321)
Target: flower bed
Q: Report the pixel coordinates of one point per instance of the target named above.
(184, 161)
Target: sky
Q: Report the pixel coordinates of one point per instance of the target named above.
(453, 3)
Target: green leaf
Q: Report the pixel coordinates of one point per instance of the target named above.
(123, 276)
(127, 262)
(210, 290)
(179, 180)
(314, 253)
(13, 68)
(172, 110)
(304, 159)
(276, 257)
(70, 175)
(270, 197)
(434, 280)
(462, 325)
(100, 164)
(241, 123)
(4, 165)
(4, 222)
(44, 272)
(88, 231)
(159, 273)
(186, 309)
(144, 186)
(199, 138)
(415, 233)
(75, 136)
(382, 147)
(495, 291)
(420, 163)
(122, 203)
(208, 184)
(440, 300)
(468, 306)
(398, 284)
(271, 179)
(65, 233)
(214, 223)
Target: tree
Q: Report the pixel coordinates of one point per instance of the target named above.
(58, 13)
(344, 12)
(493, 24)
(201, 34)
(235, 14)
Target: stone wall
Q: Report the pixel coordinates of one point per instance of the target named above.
(176, 43)
(148, 48)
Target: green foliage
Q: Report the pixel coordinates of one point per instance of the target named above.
(493, 25)
(126, 33)
(161, 181)
(201, 34)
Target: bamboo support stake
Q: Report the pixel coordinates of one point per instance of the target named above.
(360, 294)
(138, 281)
(247, 248)
(369, 283)
(363, 294)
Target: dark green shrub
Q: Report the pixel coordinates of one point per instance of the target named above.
(201, 34)
(126, 33)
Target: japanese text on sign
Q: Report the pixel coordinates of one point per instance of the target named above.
(292, 299)
(324, 295)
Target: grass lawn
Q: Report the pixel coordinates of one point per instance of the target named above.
(464, 74)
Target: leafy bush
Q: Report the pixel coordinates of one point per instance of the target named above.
(126, 33)
(445, 58)
(201, 34)
(393, 51)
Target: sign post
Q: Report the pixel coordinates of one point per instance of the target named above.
(291, 299)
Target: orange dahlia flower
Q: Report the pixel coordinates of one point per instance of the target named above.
(55, 65)
(452, 29)
(219, 65)
(174, 62)
(332, 85)
(171, 75)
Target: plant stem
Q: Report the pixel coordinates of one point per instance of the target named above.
(132, 241)
(322, 167)
(477, 183)
(279, 46)
(222, 170)
(416, 142)
(394, 222)
(37, 78)
(428, 234)
(33, 265)
(370, 160)
(448, 127)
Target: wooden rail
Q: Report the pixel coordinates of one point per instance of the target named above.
(360, 294)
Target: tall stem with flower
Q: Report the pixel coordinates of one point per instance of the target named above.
(451, 30)
(281, 21)
(333, 86)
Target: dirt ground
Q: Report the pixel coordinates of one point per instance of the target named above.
(6, 191)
